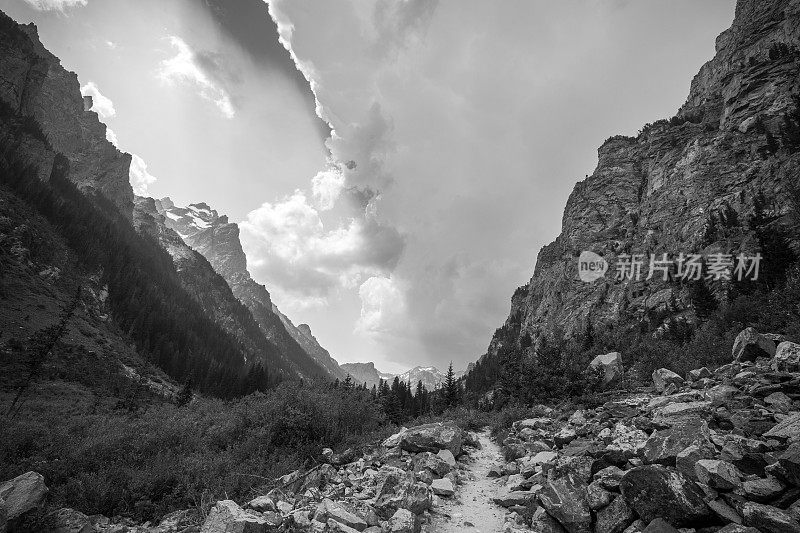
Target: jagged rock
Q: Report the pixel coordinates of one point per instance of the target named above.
(532, 423)
(779, 400)
(789, 465)
(416, 497)
(261, 504)
(655, 491)
(663, 377)
(659, 525)
(227, 517)
(738, 528)
(769, 519)
(762, 490)
(404, 521)
(750, 345)
(609, 477)
(787, 357)
(507, 498)
(448, 457)
(786, 428)
(68, 520)
(337, 527)
(23, 494)
(564, 499)
(432, 462)
(442, 487)
(682, 413)
(698, 374)
(432, 438)
(329, 510)
(664, 446)
(597, 496)
(724, 511)
(717, 474)
(610, 365)
(544, 523)
(615, 517)
(687, 458)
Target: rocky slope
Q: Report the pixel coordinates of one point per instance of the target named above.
(684, 185)
(34, 84)
(710, 452)
(217, 239)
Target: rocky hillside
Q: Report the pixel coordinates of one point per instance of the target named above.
(715, 178)
(715, 451)
(217, 239)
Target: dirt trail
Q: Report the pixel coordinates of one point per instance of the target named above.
(472, 510)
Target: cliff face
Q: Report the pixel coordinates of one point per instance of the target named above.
(216, 239)
(683, 185)
(33, 83)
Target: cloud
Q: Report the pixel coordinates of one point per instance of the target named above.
(102, 105)
(382, 307)
(112, 137)
(326, 188)
(290, 248)
(199, 70)
(140, 178)
(55, 5)
(398, 23)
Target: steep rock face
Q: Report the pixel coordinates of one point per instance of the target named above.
(217, 239)
(363, 373)
(679, 186)
(33, 83)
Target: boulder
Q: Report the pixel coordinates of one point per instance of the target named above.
(786, 428)
(664, 446)
(787, 357)
(615, 517)
(22, 494)
(768, 519)
(404, 521)
(68, 520)
(432, 438)
(698, 374)
(564, 499)
(329, 510)
(227, 517)
(544, 523)
(738, 528)
(717, 474)
(597, 496)
(655, 491)
(687, 458)
(662, 378)
(416, 497)
(789, 465)
(509, 498)
(659, 525)
(432, 462)
(682, 413)
(762, 490)
(750, 345)
(261, 504)
(443, 487)
(610, 365)
(448, 457)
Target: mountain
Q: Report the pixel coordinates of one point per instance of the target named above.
(144, 307)
(430, 376)
(217, 239)
(718, 177)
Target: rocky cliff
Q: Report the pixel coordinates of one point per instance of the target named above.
(684, 185)
(34, 84)
(217, 239)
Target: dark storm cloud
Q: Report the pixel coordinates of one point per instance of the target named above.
(248, 23)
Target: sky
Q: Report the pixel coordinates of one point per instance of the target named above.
(394, 165)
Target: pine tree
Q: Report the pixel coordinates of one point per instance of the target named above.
(451, 388)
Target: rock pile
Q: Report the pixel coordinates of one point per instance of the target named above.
(390, 488)
(711, 451)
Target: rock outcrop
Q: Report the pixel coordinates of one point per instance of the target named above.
(666, 190)
(33, 83)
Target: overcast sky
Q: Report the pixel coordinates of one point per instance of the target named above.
(395, 166)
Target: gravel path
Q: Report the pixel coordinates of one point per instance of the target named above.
(472, 510)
